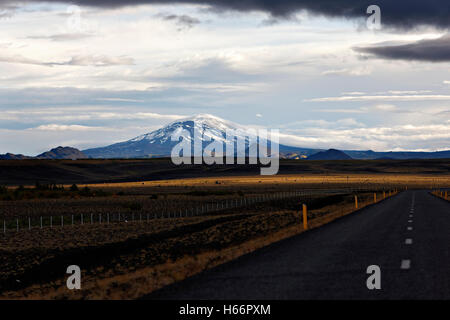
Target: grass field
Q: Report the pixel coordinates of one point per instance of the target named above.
(27, 172)
(321, 181)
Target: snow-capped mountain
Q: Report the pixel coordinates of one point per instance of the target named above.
(214, 126)
(159, 143)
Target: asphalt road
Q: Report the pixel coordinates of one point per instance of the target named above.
(407, 236)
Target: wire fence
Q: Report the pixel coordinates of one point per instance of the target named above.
(18, 224)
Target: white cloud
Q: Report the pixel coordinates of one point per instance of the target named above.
(63, 36)
(363, 71)
(386, 107)
(383, 98)
(83, 114)
(73, 127)
(431, 137)
(397, 92)
(119, 100)
(80, 60)
(353, 93)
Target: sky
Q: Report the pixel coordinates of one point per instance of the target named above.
(89, 76)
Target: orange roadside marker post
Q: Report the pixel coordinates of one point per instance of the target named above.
(305, 217)
(375, 197)
(356, 202)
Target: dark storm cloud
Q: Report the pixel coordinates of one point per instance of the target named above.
(395, 13)
(436, 50)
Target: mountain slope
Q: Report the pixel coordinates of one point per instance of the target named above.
(62, 153)
(159, 144)
(397, 155)
(331, 154)
(10, 156)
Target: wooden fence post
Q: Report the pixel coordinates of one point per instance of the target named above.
(305, 217)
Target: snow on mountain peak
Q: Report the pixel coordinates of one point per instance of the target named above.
(215, 126)
(208, 120)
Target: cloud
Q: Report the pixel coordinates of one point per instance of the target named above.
(396, 92)
(64, 114)
(358, 110)
(386, 107)
(394, 13)
(336, 124)
(73, 127)
(353, 93)
(119, 100)
(81, 60)
(7, 10)
(349, 72)
(435, 50)
(64, 36)
(383, 98)
(430, 137)
(99, 61)
(446, 81)
(183, 21)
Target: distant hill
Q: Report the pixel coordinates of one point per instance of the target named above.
(62, 153)
(10, 156)
(397, 155)
(331, 154)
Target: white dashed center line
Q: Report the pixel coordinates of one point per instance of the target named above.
(410, 228)
(410, 221)
(406, 264)
(408, 241)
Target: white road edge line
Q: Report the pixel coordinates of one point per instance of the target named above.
(406, 264)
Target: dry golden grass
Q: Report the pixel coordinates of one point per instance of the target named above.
(319, 180)
(441, 194)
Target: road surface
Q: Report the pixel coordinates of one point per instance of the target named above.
(407, 236)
